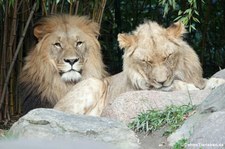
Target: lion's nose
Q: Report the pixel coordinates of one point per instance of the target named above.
(71, 61)
(161, 82)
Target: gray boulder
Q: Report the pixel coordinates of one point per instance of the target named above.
(130, 104)
(214, 102)
(210, 133)
(52, 144)
(49, 124)
(206, 114)
(220, 74)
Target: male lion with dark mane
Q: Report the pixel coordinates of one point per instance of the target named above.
(154, 58)
(67, 52)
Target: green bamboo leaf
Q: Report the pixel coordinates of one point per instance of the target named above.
(195, 4)
(166, 10)
(177, 18)
(174, 4)
(187, 11)
(184, 20)
(190, 12)
(190, 1)
(180, 12)
(57, 1)
(193, 27)
(11, 3)
(196, 19)
(196, 12)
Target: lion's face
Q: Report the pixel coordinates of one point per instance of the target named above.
(67, 52)
(157, 66)
(151, 55)
(68, 45)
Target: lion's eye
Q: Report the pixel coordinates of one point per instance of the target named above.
(79, 44)
(165, 58)
(169, 55)
(144, 61)
(57, 45)
(147, 61)
(150, 62)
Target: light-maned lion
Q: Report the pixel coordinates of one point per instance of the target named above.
(153, 58)
(67, 52)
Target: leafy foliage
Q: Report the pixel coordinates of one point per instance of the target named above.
(186, 16)
(172, 116)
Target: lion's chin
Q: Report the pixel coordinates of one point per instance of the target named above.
(71, 76)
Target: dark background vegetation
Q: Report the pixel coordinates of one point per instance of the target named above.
(205, 21)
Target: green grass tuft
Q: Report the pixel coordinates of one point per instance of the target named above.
(172, 116)
(180, 144)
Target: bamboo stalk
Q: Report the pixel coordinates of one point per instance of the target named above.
(16, 54)
(44, 11)
(98, 11)
(53, 7)
(77, 6)
(62, 5)
(103, 3)
(10, 50)
(71, 7)
(3, 60)
(6, 108)
(20, 58)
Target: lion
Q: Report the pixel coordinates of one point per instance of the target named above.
(67, 51)
(153, 58)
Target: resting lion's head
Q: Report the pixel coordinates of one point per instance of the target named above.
(67, 51)
(154, 56)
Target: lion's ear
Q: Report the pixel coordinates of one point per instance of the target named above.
(176, 30)
(125, 40)
(41, 29)
(39, 32)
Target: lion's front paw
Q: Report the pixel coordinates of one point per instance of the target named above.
(179, 85)
(201, 83)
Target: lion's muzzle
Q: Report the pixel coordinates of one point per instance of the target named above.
(72, 70)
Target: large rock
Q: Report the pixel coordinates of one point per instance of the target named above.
(187, 129)
(214, 102)
(203, 119)
(52, 144)
(50, 124)
(130, 104)
(210, 132)
(220, 74)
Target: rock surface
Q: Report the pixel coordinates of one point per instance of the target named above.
(220, 74)
(52, 144)
(200, 127)
(210, 132)
(130, 104)
(51, 124)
